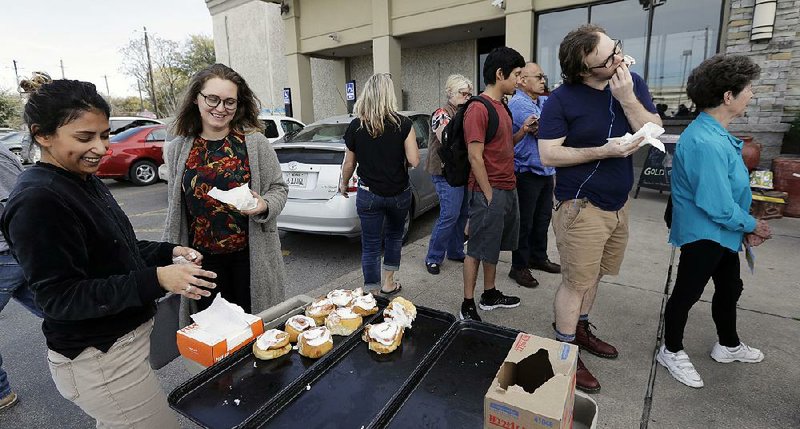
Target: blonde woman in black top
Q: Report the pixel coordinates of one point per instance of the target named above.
(383, 144)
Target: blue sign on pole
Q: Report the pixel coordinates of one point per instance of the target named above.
(350, 90)
(287, 96)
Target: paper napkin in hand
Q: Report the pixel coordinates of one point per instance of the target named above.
(649, 131)
(239, 197)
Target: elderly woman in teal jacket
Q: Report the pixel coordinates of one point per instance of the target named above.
(710, 220)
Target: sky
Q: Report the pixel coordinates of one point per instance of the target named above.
(87, 36)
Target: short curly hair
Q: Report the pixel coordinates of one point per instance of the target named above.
(717, 75)
(573, 50)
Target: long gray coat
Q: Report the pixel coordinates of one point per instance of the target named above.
(267, 272)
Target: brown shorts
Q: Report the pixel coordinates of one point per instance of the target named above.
(591, 242)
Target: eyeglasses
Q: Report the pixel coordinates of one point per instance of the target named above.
(213, 101)
(610, 60)
(537, 76)
(465, 94)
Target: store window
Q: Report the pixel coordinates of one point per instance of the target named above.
(684, 33)
(485, 46)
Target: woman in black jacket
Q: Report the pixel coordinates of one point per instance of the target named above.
(95, 282)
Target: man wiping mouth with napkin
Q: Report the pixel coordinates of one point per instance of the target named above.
(600, 99)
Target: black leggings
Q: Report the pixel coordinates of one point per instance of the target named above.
(700, 261)
(233, 278)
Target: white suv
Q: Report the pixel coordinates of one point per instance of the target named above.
(276, 127)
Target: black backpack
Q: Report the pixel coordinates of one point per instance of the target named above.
(454, 155)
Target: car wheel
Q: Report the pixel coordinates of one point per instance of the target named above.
(407, 223)
(144, 173)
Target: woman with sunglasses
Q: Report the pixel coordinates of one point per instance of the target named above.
(447, 236)
(220, 145)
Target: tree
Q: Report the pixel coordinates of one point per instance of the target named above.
(173, 65)
(128, 106)
(10, 109)
(198, 54)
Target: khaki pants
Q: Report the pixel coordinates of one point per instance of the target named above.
(591, 242)
(117, 388)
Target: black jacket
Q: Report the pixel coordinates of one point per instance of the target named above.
(94, 281)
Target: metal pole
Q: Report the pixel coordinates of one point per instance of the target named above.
(141, 100)
(650, 12)
(16, 75)
(62, 69)
(108, 92)
(150, 72)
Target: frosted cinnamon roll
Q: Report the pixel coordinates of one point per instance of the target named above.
(343, 321)
(383, 337)
(340, 297)
(319, 310)
(315, 342)
(272, 344)
(297, 324)
(364, 305)
(400, 311)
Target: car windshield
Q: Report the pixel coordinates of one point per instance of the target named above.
(124, 135)
(13, 138)
(321, 133)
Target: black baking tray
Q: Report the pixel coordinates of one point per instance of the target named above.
(233, 390)
(448, 392)
(353, 391)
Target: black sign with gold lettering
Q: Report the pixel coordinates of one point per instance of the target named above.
(657, 167)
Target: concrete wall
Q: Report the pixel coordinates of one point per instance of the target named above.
(776, 98)
(249, 38)
(425, 72)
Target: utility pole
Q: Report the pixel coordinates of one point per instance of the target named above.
(141, 100)
(108, 93)
(150, 72)
(62, 69)
(16, 75)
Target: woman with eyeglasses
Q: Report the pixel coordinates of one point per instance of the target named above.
(447, 238)
(383, 144)
(220, 145)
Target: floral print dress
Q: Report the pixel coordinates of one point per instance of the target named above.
(215, 227)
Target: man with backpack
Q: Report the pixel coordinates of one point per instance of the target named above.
(493, 208)
(600, 100)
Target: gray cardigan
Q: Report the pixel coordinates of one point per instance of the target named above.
(267, 271)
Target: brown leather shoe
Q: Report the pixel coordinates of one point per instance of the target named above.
(523, 277)
(546, 266)
(584, 379)
(586, 340)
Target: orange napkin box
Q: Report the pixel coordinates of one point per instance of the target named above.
(196, 344)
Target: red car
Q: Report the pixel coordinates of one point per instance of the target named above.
(135, 155)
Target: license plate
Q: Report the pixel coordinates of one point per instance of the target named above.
(295, 180)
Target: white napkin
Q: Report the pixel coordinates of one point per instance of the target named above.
(649, 131)
(239, 197)
(223, 319)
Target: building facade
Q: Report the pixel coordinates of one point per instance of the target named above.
(315, 46)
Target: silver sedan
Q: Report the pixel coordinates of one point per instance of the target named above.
(311, 160)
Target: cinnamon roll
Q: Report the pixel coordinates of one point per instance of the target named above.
(400, 311)
(319, 310)
(297, 324)
(315, 342)
(383, 337)
(343, 321)
(364, 305)
(272, 344)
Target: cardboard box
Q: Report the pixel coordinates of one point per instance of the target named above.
(206, 349)
(535, 386)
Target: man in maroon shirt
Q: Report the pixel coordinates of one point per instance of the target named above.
(493, 208)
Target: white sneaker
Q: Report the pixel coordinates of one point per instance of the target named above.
(679, 365)
(743, 353)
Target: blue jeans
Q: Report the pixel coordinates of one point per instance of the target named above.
(12, 284)
(373, 210)
(448, 233)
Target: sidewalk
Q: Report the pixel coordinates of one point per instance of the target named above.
(627, 312)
